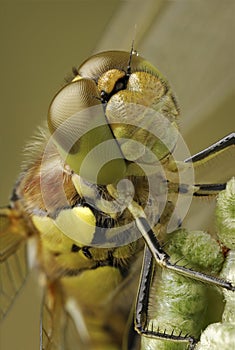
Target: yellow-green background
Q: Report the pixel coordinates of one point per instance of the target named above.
(190, 41)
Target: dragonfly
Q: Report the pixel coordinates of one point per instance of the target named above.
(109, 182)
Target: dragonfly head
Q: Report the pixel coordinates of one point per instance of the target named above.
(117, 111)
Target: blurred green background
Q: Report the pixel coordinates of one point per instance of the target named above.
(190, 41)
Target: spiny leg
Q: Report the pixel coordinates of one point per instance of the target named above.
(159, 255)
(203, 157)
(141, 311)
(163, 259)
(205, 190)
(213, 150)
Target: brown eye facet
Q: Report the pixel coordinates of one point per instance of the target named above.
(80, 131)
(102, 62)
(73, 99)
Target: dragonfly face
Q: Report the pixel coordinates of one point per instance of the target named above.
(105, 184)
(104, 105)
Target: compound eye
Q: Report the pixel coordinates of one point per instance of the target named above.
(80, 131)
(65, 110)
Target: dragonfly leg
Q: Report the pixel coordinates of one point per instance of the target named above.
(141, 310)
(212, 150)
(203, 157)
(205, 190)
(163, 259)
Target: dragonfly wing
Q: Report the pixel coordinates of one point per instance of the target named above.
(58, 328)
(14, 232)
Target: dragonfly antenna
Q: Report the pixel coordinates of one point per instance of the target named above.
(131, 54)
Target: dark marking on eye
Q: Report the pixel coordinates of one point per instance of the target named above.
(75, 248)
(86, 252)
